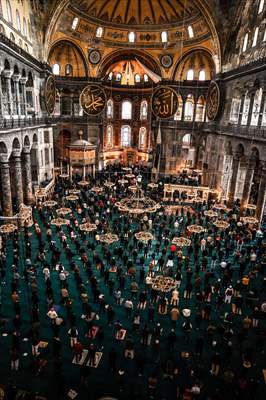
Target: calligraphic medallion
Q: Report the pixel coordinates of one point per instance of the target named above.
(164, 102)
(50, 94)
(213, 101)
(93, 99)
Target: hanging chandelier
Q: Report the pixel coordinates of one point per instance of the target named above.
(138, 203)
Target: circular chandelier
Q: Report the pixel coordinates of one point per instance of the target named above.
(88, 227)
(83, 183)
(60, 221)
(210, 213)
(122, 181)
(181, 241)
(249, 220)
(64, 211)
(74, 191)
(144, 236)
(8, 228)
(109, 185)
(221, 224)
(251, 206)
(137, 204)
(195, 228)
(163, 283)
(49, 203)
(108, 238)
(72, 197)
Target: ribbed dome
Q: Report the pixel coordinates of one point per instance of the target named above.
(137, 12)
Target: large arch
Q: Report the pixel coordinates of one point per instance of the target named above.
(65, 52)
(124, 55)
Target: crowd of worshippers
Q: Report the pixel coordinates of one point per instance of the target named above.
(219, 297)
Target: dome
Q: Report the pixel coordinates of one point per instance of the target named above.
(137, 13)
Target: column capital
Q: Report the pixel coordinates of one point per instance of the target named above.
(7, 73)
(26, 150)
(16, 77)
(23, 80)
(4, 160)
(16, 153)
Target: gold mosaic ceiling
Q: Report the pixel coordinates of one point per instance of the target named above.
(137, 12)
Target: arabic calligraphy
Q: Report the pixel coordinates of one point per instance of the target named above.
(213, 101)
(93, 99)
(164, 102)
(50, 94)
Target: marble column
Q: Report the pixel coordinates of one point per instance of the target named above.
(16, 79)
(5, 187)
(27, 178)
(1, 98)
(263, 101)
(18, 188)
(250, 108)
(23, 81)
(261, 195)
(247, 186)
(7, 75)
(232, 187)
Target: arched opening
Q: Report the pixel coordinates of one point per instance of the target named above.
(110, 109)
(189, 108)
(125, 136)
(142, 137)
(200, 109)
(126, 109)
(179, 111)
(143, 110)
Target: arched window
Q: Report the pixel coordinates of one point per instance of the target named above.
(200, 109)
(178, 114)
(56, 69)
(190, 75)
(261, 5)
(143, 110)
(264, 37)
(68, 70)
(244, 119)
(131, 37)
(109, 136)
(26, 48)
(24, 27)
(190, 32)
(164, 37)
(255, 37)
(110, 76)
(75, 23)
(125, 136)
(256, 107)
(126, 110)
(118, 77)
(189, 108)
(9, 12)
(263, 121)
(146, 78)
(235, 110)
(20, 43)
(186, 141)
(99, 32)
(12, 38)
(245, 44)
(18, 21)
(137, 78)
(142, 137)
(110, 109)
(202, 75)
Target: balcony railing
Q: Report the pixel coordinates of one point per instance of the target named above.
(6, 41)
(250, 132)
(13, 123)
